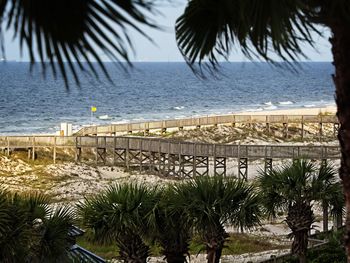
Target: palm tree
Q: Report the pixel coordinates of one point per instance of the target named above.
(328, 191)
(294, 188)
(213, 202)
(173, 228)
(32, 230)
(210, 29)
(122, 214)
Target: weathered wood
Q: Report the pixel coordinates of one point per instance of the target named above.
(205, 121)
(268, 164)
(54, 150)
(33, 148)
(171, 158)
(8, 146)
(96, 150)
(127, 151)
(243, 168)
(302, 128)
(320, 128)
(194, 168)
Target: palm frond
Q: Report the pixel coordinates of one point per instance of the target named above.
(66, 31)
(209, 29)
(214, 200)
(54, 241)
(121, 207)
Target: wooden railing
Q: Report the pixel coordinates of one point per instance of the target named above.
(207, 121)
(171, 147)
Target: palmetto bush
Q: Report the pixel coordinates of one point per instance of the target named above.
(212, 202)
(32, 230)
(295, 188)
(132, 215)
(173, 227)
(124, 214)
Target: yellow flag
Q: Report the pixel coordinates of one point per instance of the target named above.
(93, 108)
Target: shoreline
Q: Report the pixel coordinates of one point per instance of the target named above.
(293, 111)
(330, 110)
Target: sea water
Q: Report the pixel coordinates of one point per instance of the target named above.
(32, 104)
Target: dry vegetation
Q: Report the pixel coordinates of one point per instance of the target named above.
(254, 133)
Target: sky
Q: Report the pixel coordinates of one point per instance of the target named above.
(164, 48)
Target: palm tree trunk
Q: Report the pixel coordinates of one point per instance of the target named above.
(325, 216)
(171, 258)
(341, 55)
(215, 241)
(132, 249)
(299, 245)
(299, 220)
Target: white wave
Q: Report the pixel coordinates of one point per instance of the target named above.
(272, 107)
(268, 103)
(104, 117)
(178, 108)
(286, 102)
(309, 105)
(121, 121)
(254, 110)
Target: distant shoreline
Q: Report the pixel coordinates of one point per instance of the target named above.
(294, 111)
(329, 110)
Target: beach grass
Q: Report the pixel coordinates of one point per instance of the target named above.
(238, 243)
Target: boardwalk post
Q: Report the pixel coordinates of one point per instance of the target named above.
(233, 121)
(243, 168)
(167, 172)
(96, 148)
(159, 157)
(54, 149)
(268, 165)
(238, 159)
(151, 159)
(77, 150)
(285, 127)
(114, 150)
(302, 127)
(29, 153)
(268, 124)
(214, 158)
(320, 131)
(33, 151)
(8, 146)
(140, 153)
(180, 160)
(127, 154)
(194, 159)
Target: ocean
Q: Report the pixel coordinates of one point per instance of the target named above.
(31, 104)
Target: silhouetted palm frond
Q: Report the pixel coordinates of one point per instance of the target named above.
(66, 31)
(208, 29)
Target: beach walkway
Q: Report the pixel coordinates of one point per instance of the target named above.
(161, 156)
(198, 122)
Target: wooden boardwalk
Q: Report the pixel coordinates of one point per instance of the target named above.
(267, 120)
(165, 157)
